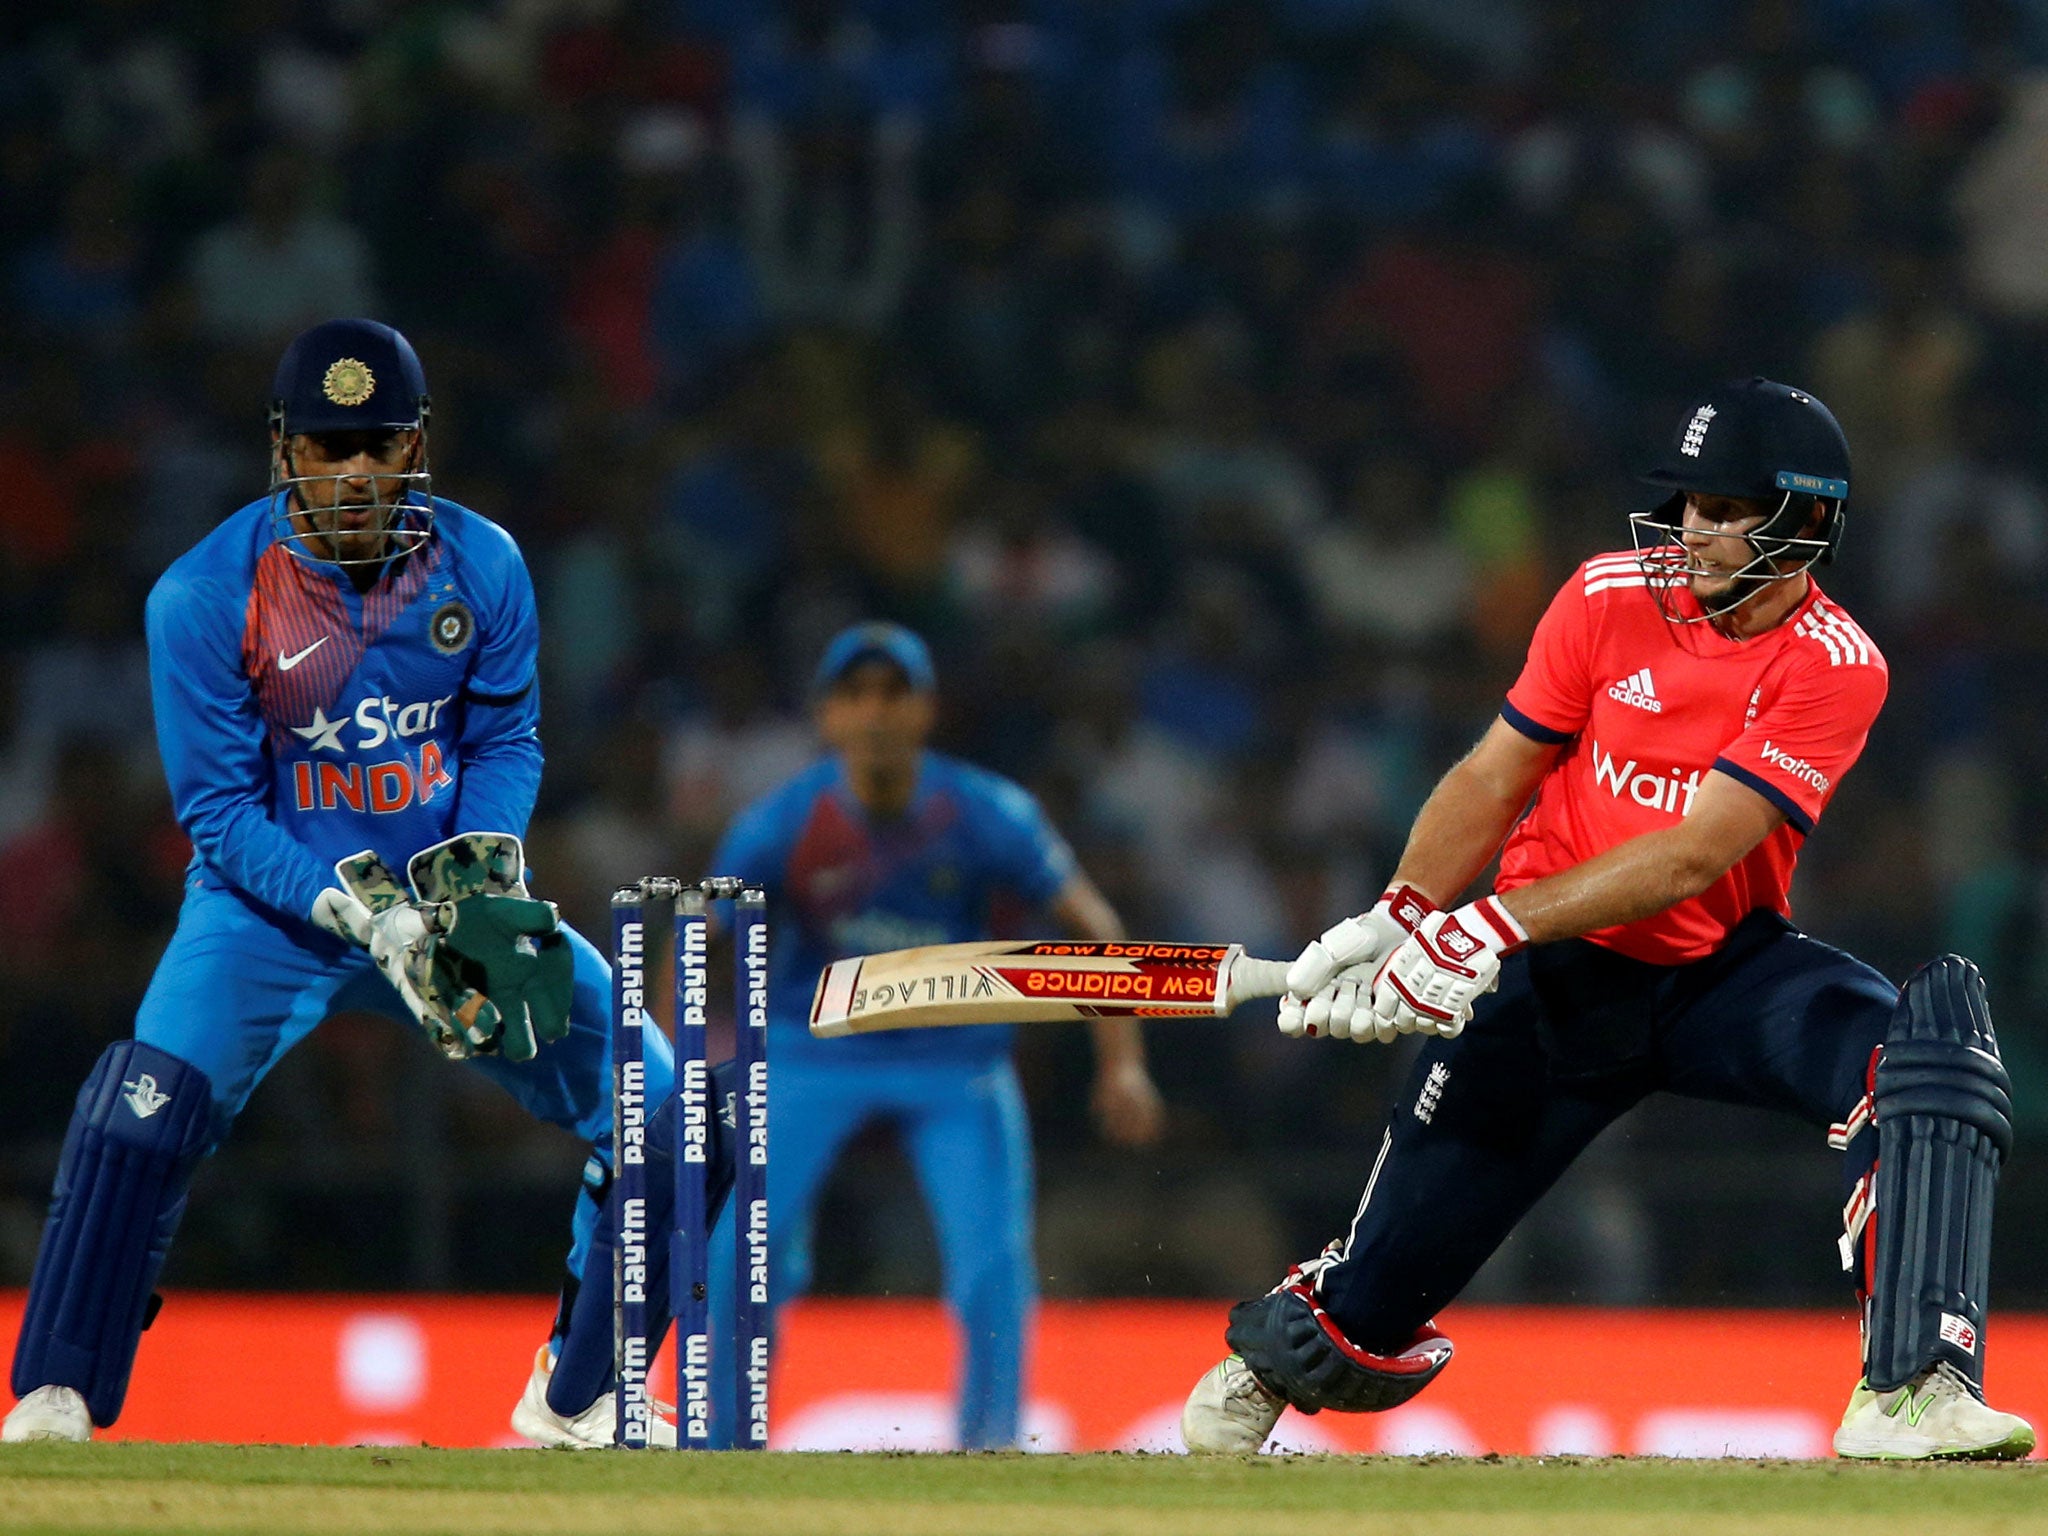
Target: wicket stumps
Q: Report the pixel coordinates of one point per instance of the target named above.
(745, 1356)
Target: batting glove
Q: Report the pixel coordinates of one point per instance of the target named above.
(1444, 967)
(1335, 973)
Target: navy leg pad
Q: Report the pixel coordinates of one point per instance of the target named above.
(144, 1120)
(585, 1366)
(1298, 1353)
(1943, 1104)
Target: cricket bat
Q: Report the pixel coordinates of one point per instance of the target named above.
(1030, 982)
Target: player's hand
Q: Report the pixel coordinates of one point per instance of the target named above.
(1127, 1105)
(1444, 967)
(403, 945)
(342, 914)
(1330, 984)
(510, 951)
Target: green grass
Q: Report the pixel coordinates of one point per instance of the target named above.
(166, 1490)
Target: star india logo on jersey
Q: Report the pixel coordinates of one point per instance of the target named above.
(1696, 431)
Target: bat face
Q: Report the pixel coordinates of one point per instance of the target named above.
(1019, 983)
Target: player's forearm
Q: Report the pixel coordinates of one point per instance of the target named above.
(1118, 1043)
(1630, 881)
(1459, 830)
(500, 781)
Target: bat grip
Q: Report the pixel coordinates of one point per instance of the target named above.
(1251, 977)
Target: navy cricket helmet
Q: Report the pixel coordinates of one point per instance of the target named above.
(349, 376)
(1766, 442)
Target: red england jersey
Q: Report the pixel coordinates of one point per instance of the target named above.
(1646, 708)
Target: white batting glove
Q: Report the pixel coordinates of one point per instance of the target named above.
(1330, 984)
(1451, 960)
(341, 914)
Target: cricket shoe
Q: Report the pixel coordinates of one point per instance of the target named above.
(595, 1428)
(48, 1413)
(1229, 1410)
(1933, 1417)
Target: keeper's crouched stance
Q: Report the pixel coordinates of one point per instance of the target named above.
(344, 681)
(1684, 716)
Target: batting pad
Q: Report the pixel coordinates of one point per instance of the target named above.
(1944, 1126)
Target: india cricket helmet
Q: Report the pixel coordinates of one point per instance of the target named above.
(349, 376)
(1765, 442)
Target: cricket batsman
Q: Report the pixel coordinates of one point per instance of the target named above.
(344, 683)
(883, 844)
(1685, 714)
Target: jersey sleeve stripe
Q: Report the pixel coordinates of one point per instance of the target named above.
(1533, 729)
(1637, 580)
(478, 696)
(1811, 627)
(1794, 813)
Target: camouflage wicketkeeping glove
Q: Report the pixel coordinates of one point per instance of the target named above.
(510, 951)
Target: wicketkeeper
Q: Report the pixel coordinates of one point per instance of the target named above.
(1685, 714)
(347, 709)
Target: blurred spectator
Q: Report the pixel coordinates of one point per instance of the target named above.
(283, 264)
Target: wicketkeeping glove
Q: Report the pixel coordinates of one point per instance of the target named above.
(1334, 975)
(510, 952)
(1444, 967)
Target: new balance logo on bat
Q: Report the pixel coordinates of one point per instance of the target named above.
(1638, 692)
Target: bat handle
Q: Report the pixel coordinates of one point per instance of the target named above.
(1251, 977)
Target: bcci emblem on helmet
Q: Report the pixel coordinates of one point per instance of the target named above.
(348, 381)
(451, 626)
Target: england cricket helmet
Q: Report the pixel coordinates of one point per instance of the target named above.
(1765, 442)
(350, 376)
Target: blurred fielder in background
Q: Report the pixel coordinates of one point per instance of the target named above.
(883, 845)
(344, 680)
(1685, 713)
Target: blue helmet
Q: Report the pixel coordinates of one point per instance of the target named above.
(350, 376)
(1761, 441)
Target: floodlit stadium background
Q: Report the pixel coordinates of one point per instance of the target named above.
(1221, 385)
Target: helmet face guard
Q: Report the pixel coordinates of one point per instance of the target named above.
(401, 506)
(349, 376)
(1659, 536)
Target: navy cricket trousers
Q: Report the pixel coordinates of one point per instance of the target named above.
(1574, 1036)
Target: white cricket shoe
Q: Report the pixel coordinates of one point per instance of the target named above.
(592, 1429)
(1935, 1416)
(1229, 1410)
(48, 1413)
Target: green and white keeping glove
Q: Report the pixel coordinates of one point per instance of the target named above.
(508, 952)
(505, 983)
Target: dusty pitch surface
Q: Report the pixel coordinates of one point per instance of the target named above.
(155, 1490)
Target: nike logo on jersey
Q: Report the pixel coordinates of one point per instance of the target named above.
(1638, 692)
(286, 663)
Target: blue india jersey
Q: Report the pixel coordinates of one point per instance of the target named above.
(301, 720)
(842, 884)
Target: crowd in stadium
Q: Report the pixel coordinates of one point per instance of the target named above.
(1222, 386)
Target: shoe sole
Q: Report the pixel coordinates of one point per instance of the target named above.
(2014, 1447)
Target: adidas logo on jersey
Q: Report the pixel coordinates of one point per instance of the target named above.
(1638, 692)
